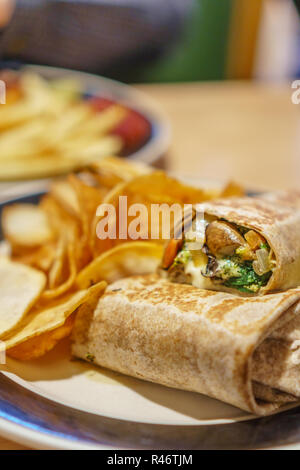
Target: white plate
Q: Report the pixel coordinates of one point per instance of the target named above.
(106, 394)
(57, 402)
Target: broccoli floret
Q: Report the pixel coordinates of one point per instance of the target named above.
(248, 280)
(182, 257)
(229, 267)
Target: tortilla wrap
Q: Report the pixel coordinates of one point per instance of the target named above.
(243, 351)
(276, 218)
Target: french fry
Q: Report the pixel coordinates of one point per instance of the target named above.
(49, 129)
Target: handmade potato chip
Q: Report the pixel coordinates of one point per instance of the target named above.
(40, 345)
(154, 188)
(41, 258)
(26, 225)
(63, 282)
(122, 261)
(64, 223)
(55, 275)
(5, 249)
(58, 216)
(113, 170)
(47, 317)
(232, 189)
(20, 288)
(88, 199)
(64, 193)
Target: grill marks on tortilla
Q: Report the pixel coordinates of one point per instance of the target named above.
(250, 211)
(219, 311)
(140, 329)
(230, 312)
(240, 314)
(147, 288)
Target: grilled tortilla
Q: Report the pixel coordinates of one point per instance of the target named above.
(245, 245)
(243, 351)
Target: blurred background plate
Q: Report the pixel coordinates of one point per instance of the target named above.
(94, 85)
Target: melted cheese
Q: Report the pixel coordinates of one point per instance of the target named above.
(194, 268)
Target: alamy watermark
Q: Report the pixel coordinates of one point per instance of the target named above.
(2, 92)
(296, 94)
(155, 221)
(2, 353)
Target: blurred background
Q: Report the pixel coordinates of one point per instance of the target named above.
(154, 41)
(220, 69)
(230, 39)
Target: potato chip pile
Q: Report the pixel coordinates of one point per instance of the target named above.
(50, 128)
(52, 263)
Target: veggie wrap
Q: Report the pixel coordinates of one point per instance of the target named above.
(239, 245)
(243, 351)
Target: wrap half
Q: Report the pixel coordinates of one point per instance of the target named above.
(243, 351)
(240, 245)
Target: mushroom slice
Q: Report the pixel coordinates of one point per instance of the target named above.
(222, 238)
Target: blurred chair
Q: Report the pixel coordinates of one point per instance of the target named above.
(201, 54)
(242, 40)
(222, 40)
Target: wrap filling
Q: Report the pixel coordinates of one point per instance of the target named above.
(216, 252)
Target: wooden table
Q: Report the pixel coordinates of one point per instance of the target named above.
(243, 131)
